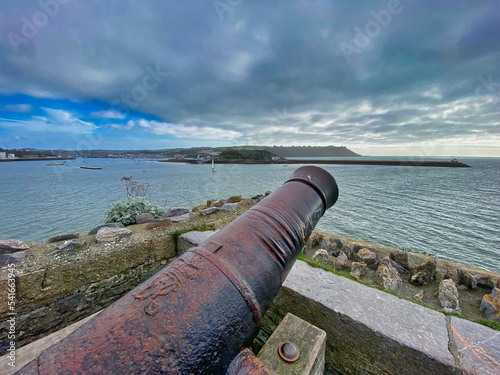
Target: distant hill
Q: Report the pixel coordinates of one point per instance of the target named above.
(306, 152)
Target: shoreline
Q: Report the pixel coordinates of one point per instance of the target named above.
(36, 159)
(401, 163)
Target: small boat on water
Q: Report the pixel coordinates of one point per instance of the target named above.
(85, 167)
(54, 164)
(213, 165)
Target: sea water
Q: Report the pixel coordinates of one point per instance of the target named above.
(450, 212)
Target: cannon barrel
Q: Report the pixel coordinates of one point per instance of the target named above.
(195, 315)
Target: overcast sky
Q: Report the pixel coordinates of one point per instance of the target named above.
(405, 77)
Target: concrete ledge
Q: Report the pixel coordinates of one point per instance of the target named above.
(372, 332)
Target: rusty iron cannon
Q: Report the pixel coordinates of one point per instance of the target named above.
(197, 313)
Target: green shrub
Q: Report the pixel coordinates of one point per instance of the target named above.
(125, 211)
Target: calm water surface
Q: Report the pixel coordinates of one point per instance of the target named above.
(451, 212)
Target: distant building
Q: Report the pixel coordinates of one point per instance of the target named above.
(11, 156)
(3, 155)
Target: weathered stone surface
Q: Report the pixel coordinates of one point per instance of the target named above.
(387, 276)
(321, 256)
(393, 336)
(209, 211)
(158, 223)
(448, 296)
(358, 269)
(70, 245)
(11, 246)
(485, 281)
(351, 250)
(111, 234)
(424, 273)
(341, 262)
(268, 193)
(68, 303)
(63, 237)
(461, 277)
(229, 207)
(245, 202)
(419, 297)
(199, 208)
(216, 202)
(477, 346)
(257, 197)
(164, 248)
(491, 305)
(234, 199)
(400, 257)
(108, 225)
(366, 256)
(182, 218)
(143, 218)
(11, 258)
(192, 239)
(176, 211)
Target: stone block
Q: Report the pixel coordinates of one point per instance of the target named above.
(192, 239)
(163, 248)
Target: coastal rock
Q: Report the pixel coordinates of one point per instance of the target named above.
(448, 296)
(108, 225)
(209, 211)
(485, 281)
(419, 297)
(111, 234)
(70, 245)
(192, 239)
(143, 218)
(315, 238)
(211, 202)
(341, 262)
(351, 250)
(399, 268)
(358, 269)
(367, 256)
(234, 199)
(321, 256)
(424, 273)
(11, 258)
(453, 275)
(158, 223)
(176, 211)
(461, 277)
(337, 243)
(12, 246)
(216, 202)
(199, 208)
(63, 237)
(491, 305)
(229, 207)
(401, 258)
(257, 197)
(387, 276)
(245, 202)
(268, 193)
(182, 218)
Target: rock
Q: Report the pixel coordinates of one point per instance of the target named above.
(209, 211)
(245, 202)
(351, 250)
(419, 297)
(158, 223)
(358, 269)
(321, 256)
(448, 296)
(341, 261)
(11, 258)
(12, 246)
(268, 193)
(192, 239)
(453, 275)
(401, 258)
(211, 202)
(70, 245)
(491, 305)
(468, 280)
(216, 202)
(229, 207)
(234, 199)
(485, 281)
(257, 197)
(260, 199)
(176, 211)
(400, 269)
(63, 237)
(182, 218)
(366, 256)
(199, 208)
(424, 273)
(108, 225)
(338, 243)
(387, 276)
(143, 218)
(111, 234)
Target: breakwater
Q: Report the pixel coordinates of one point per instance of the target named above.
(400, 163)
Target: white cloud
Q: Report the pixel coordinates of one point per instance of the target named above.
(186, 131)
(17, 108)
(109, 114)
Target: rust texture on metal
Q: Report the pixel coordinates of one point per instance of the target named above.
(246, 363)
(288, 352)
(195, 315)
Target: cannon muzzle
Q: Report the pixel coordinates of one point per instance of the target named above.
(195, 315)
